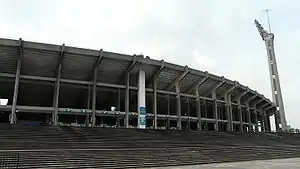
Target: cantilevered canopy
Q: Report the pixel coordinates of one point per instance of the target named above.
(40, 63)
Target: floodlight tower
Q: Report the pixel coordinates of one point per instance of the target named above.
(268, 37)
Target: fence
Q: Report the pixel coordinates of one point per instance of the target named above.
(9, 160)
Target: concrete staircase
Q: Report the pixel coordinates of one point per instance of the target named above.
(76, 147)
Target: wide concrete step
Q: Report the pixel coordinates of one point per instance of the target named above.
(73, 147)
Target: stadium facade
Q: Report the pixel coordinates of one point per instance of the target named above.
(59, 85)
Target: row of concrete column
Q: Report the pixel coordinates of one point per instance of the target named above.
(142, 84)
(227, 97)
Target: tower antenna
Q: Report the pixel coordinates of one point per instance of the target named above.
(268, 19)
(268, 38)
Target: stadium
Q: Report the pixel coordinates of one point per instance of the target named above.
(66, 84)
(95, 96)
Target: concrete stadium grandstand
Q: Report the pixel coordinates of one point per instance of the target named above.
(67, 107)
(62, 85)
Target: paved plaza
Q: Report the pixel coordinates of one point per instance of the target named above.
(289, 163)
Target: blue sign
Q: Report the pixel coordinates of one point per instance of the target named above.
(142, 116)
(142, 110)
(142, 120)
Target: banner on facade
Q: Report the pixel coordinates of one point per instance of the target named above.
(142, 118)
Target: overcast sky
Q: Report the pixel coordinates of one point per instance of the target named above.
(210, 35)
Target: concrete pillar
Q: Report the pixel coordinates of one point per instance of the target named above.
(215, 105)
(266, 122)
(255, 113)
(141, 99)
(199, 114)
(230, 116)
(57, 87)
(88, 97)
(248, 110)
(13, 117)
(127, 90)
(262, 125)
(88, 106)
(168, 119)
(269, 124)
(94, 102)
(94, 98)
(262, 122)
(239, 100)
(119, 100)
(155, 102)
(240, 117)
(256, 121)
(56, 96)
(263, 117)
(277, 120)
(188, 111)
(178, 107)
(228, 110)
(117, 121)
(154, 78)
(216, 114)
(94, 94)
(198, 102)
(268, 129)
(176, 83)
(249, 119)
(127, 101)
(205, 113)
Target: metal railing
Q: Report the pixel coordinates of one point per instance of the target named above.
(9, 160)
